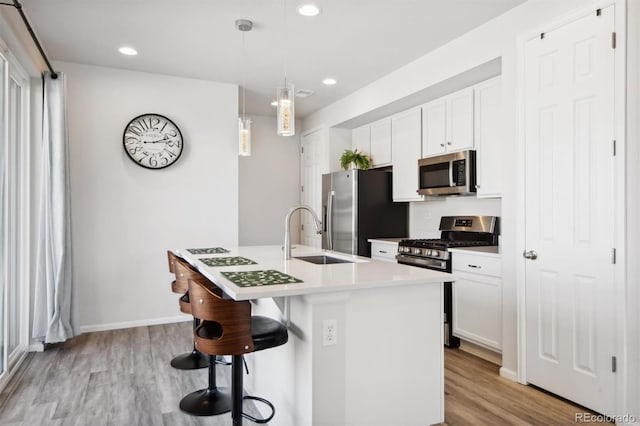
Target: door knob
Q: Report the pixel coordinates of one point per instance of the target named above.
(531, 254)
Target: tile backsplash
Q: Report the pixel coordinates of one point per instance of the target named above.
(424, 216)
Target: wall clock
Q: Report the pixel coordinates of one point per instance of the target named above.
(152, 141)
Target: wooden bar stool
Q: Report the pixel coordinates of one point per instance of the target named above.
(227, 328)
(182, 271)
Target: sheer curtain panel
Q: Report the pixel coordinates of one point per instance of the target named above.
(55, 311)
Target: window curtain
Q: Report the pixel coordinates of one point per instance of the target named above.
(55, 311)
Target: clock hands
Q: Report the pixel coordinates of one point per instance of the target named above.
(158, 141)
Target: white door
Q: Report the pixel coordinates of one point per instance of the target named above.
(570, 328)
(311, 186)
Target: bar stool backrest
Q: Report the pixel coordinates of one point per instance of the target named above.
(184, 272)
(172, 258)
(226, 324)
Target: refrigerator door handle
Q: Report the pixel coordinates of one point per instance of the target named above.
(330, 219)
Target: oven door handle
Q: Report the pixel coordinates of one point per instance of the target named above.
(423, 262)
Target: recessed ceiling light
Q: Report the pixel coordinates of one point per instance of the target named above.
(329, 81)
(308, 10)
(127, 50)
(274, 103)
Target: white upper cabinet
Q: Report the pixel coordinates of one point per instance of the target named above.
(380, 140)
(434, 127)
(448, 123)
(488, 138)
(406, 131)
(361, 140)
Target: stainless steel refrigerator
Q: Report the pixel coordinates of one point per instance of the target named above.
(358, 205)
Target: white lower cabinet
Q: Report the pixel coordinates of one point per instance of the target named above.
(477, 299)
(384, 250)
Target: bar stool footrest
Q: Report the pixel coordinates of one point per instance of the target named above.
(264, 401)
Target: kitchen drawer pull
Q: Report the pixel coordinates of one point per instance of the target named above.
(474, 266)
(382, 251)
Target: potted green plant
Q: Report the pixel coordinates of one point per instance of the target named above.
(354, 159)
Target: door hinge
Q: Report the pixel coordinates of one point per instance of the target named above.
(598, 12)
(613, 256)
(302, 188)
(541, 36)
(613, 40)
(302, 227)
(302, 150)
(614, 364)
(614, 147)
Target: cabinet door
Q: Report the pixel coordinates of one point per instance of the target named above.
(381, 142)
(406, 136)
(488, 140)
(434, 127)
(477, 309)
(360, 140)
(384, 251)
(460, 120)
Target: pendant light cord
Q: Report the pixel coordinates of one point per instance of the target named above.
(244, 78)
(284, 40)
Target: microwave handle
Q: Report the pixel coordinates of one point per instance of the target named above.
(330, 219)
(451, 181)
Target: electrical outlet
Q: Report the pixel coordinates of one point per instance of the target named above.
(329, 332)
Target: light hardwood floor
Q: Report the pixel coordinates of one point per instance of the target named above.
(475, 394)
(123, 378)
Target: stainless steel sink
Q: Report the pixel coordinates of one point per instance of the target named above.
(323, 260)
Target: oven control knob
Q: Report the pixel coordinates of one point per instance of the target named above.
(435, 253)
(416, 251)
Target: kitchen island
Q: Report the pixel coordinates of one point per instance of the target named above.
(365, 337)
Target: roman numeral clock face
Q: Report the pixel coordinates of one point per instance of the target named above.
(153, 141)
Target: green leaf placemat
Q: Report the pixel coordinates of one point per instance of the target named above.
(258, 278)
(211, 250)
(227, 261)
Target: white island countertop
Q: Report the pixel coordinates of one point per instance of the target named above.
(364, 273)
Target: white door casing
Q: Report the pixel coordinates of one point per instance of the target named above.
(311, 186)
(569, 205)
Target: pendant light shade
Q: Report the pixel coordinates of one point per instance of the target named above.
(286, 110)
(244, 136)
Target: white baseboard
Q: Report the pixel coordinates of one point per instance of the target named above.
(36, 347)
(131, 324)
(508, 374)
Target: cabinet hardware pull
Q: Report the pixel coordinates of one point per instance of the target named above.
(475, 266)
(382, 251)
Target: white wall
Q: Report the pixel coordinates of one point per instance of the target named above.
(496, 38)
(125, 217)
(633, 209)
(269, 184)
(425, 215)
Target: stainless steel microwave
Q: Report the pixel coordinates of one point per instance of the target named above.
(448, 174)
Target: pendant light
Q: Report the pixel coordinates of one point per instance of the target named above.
(286, 93)
(244, 123)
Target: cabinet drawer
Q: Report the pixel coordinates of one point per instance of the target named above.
(475, 264)
(384, 251)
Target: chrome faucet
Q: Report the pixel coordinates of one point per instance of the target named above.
(287, 228)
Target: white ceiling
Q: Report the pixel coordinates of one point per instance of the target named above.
(354, 41)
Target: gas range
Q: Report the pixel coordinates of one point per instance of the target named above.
(456, 231)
